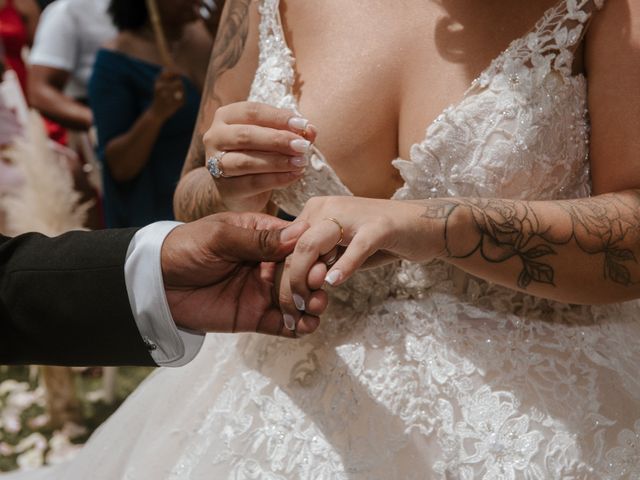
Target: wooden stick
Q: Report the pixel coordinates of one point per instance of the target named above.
(161, 39)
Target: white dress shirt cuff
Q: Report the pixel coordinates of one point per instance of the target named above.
(169, 345)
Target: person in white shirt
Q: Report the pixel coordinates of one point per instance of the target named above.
(61, 60)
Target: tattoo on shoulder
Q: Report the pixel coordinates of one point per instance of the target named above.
(231, 39)
(227, 50)
(606, 226)
(230, 42)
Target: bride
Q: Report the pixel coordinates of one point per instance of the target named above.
(490, 341)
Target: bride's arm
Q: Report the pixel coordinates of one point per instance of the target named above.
(585, 250)
(580, 251)
(263, 146)
(577, 251)
(233, 62)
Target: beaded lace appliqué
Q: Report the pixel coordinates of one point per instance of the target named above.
(494, 384)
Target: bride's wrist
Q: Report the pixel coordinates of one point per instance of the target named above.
(454, 232)
(420, 235)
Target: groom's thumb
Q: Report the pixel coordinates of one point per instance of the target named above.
(251, 245)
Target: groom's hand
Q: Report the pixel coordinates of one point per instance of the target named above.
(216, 278)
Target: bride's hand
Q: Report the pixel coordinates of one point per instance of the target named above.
(265, 149)
(370, 229)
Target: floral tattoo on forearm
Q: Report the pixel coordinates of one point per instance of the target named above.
(607, 226)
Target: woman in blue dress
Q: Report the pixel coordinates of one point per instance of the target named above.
(145, 112)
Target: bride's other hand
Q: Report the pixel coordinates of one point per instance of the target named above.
(371, 230)
(258, 148)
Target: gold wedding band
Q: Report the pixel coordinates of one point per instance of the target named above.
(331, 219)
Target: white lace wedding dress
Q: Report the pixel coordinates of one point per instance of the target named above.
(417, 372)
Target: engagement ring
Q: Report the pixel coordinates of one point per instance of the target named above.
(214, 165)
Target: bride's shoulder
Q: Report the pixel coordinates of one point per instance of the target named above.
(615, 20)
(612, 65)
(614, 34)
(234, 57)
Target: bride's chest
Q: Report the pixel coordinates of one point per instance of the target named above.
(521, 133)
(374, 75)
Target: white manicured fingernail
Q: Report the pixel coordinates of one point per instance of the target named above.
(333, 277)
(289, 321)
(298, 123)
(299, 301)
(299, 161)
(300, 145)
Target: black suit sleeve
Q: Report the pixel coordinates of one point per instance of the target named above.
(63, 301)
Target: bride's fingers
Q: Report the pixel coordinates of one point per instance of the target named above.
(317, 303)
(255, 113)
(363, 245)
(236, 164)
(330, 258)
(318, 240)
(290, 314)
(307, 325)
(315, 279)
(272, 323)
(262, 139)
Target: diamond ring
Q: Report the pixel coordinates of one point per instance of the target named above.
(214, 165)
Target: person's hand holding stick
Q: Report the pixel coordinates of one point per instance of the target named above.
(169, 76)
(158, 32)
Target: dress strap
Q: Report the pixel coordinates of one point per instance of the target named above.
(552, 42)
(270, 22)
(275, 55)
(560, 31)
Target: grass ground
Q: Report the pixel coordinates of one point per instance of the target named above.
(25, 439)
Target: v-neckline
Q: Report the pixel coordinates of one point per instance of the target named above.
(474, 87)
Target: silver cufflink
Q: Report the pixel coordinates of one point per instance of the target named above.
(150, 345)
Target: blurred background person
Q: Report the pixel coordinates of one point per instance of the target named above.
(18, 23)
(61, 60)
(144, 109)
(43, 3)
(19, 20)
(60, 64)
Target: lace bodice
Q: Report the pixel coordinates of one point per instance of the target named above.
(520, 131)
(521, 122)
(409, 376)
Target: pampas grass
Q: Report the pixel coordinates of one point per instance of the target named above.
(46, 202)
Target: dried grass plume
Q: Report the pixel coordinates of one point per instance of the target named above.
(46, 202)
